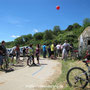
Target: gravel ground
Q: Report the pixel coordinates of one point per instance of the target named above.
(30, 78)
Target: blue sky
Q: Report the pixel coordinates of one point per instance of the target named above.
(22, 17)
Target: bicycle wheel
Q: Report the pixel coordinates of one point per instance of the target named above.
(77, 77)
(29, 61)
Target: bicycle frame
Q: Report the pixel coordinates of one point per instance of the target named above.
(88, 72)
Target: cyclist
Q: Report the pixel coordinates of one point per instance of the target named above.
(31, 54)
(37, 53)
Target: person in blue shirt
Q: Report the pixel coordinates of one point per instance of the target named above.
(44, 51)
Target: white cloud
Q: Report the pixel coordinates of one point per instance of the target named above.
(15, 36)
(36, 30)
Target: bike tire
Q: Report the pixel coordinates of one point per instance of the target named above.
(83, 71)
(29, 61)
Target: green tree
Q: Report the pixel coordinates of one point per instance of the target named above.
(38, 36)
(48, 35)
(86, 22)
(70, 28)
(56, 30)
(76, 25)
(27, 37)
(19, 41)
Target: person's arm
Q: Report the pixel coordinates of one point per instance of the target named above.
(46, 48)
(27, 50)
(1, 51)
(15, 49)
(62, 46)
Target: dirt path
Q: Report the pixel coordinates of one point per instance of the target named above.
(30, 78)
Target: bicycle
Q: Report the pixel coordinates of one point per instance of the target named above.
(29, 60)
(78, 77)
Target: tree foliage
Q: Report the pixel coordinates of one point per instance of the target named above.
(38, 36)
(48, 35)
(56, 30)
(86, 22)
(70, 28)
(27, 37)
(76, 26)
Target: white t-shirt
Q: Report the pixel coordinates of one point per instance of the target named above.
(65, 45)
(58, 46)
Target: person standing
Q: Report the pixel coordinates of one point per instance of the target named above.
(44, 50)
(24, 53)
(52, 51)
(12, 56)
(17, 53)
(55, 52)
(3, 55)
(37, 53)
(49, 51)
(58, 49)
(31, 54)
(64, 51)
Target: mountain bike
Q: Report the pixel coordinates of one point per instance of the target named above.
(29, 60)
(78, 77)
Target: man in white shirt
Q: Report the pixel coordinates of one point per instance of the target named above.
(64, 51)
(58, 49)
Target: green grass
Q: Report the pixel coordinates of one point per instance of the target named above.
(61, 80)
(9, 62)
(66, 65)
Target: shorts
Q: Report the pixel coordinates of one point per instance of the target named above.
(1, 60)
(37, 54)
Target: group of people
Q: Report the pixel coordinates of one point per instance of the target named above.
(29, 52)
(53, 51)
(57, 50)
